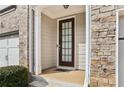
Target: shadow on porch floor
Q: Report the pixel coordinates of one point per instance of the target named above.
(74, 77)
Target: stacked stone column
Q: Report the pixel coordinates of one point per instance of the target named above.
(103, 45)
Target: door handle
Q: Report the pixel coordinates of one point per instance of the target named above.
(58, 46)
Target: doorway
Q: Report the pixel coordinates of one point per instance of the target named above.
(66, 42)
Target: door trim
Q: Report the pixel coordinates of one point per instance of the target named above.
(65, 67)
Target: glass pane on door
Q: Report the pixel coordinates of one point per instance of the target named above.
(67, 41)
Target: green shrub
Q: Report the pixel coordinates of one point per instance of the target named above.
(13, 76)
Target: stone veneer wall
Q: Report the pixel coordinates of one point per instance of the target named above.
(17, 21)
(103, 21)
(103, 42)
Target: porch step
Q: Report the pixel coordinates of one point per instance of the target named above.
(38, 81)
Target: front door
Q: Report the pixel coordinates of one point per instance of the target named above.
(66, 42)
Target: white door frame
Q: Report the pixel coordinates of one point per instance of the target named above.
(65, 67)
(117, 43)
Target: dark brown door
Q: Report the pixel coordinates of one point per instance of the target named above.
(66, 42)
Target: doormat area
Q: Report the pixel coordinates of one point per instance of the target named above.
(74, 77)
(62, 70)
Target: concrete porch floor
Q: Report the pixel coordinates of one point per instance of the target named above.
(74, 77)
(56, 78)
(39, 81)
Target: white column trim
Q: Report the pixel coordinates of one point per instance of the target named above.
(88, 46)
(37, 28)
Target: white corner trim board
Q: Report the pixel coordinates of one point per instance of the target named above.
(88, 46)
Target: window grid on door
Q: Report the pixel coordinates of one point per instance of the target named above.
(67, 41)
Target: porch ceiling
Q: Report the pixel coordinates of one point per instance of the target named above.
(57, 11)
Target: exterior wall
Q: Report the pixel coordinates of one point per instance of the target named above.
(80, 41)
(17, 21)
(48, 42)
(103, 43)
(103, 25)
